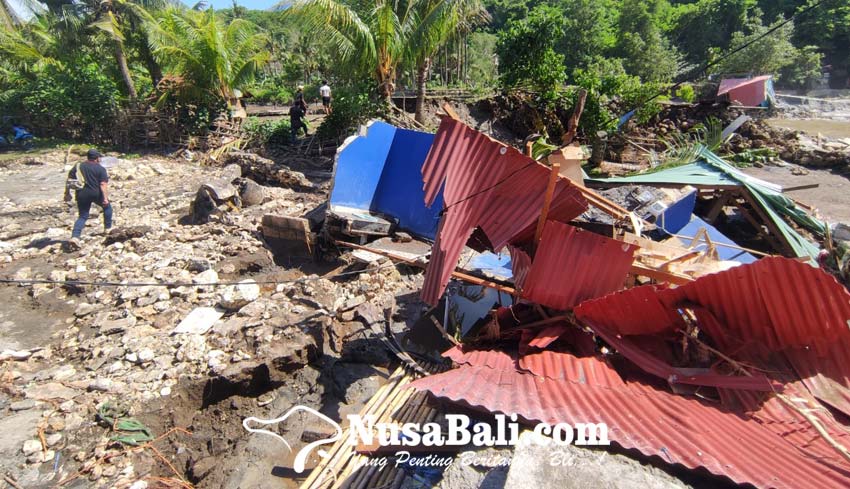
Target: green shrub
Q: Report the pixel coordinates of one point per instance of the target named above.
(80, 99)
(269, 132)
(613, 93)
(687, 93)
(351, 107)
(527, 56)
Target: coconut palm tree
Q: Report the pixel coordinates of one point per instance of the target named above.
(440, 22)
(378, 36)
(209, 56)
(115, 17)
(29, 48)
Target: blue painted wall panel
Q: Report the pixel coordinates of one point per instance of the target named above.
(359, 167)
(400, 193)
(716, 236)
(678, 215)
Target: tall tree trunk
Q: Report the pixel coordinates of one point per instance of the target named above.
(154, 70)
(421, 86)
(121, 58)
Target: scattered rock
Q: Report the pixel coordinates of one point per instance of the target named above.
(19, 355)
(50, 391)
(235, 297)
(22, 405)
(102, 384)
(199, 321)
(119, 235)
(117, 325)
(251, 192)
(31, 446)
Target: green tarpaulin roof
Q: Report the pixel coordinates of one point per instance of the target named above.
(713, 171)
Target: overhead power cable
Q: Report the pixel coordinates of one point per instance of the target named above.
(106, 283)
(710, 64)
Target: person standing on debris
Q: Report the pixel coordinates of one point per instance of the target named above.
(299, 98)
(296, 120)
(325, 92)
(90, 183)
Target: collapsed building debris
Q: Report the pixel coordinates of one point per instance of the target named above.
(698, 359)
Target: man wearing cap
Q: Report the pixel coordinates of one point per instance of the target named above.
(90, 181)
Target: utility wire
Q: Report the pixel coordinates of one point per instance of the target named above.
(710, 64)
(97, 283)
(695, 74)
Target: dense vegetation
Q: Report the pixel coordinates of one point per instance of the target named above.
(75, 64)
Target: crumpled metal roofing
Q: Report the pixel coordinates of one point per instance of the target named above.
(520, 265)
(469, 163)
(772, 447)
(572, 265)
(487, 184)
(775, 305)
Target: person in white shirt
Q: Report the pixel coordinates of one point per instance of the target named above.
(325, 92)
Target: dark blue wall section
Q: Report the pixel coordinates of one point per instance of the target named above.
(382, 172)
(678, 215)
(359, 167)
(400, 192)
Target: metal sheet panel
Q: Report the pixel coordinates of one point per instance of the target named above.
(399, 193)
(775, 305)
(516, 206)
(359, 165)
(677, 429)
(778, 301)
(564, 366)
(487, 184)
(573, 265)
(638, 310)
(470, 164)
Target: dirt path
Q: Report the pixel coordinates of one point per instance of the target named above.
(831, 197)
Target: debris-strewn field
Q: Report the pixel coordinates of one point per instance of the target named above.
(235, 286)
(78, 359)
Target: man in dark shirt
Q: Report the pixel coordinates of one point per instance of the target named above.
(94, 190)
(296, 120)
(299, 98)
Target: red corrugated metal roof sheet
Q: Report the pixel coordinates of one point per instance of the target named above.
(773, 305)
(634, 311)
(470, 163)
(784, 452)
(564, 366)
(520, 265)
(572, 265)
(487, 184)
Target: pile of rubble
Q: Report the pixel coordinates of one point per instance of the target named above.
(682, 351)
(755, 135)
(545, 295)
(155, 307)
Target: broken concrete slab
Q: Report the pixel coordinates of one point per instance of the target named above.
(199, 321)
